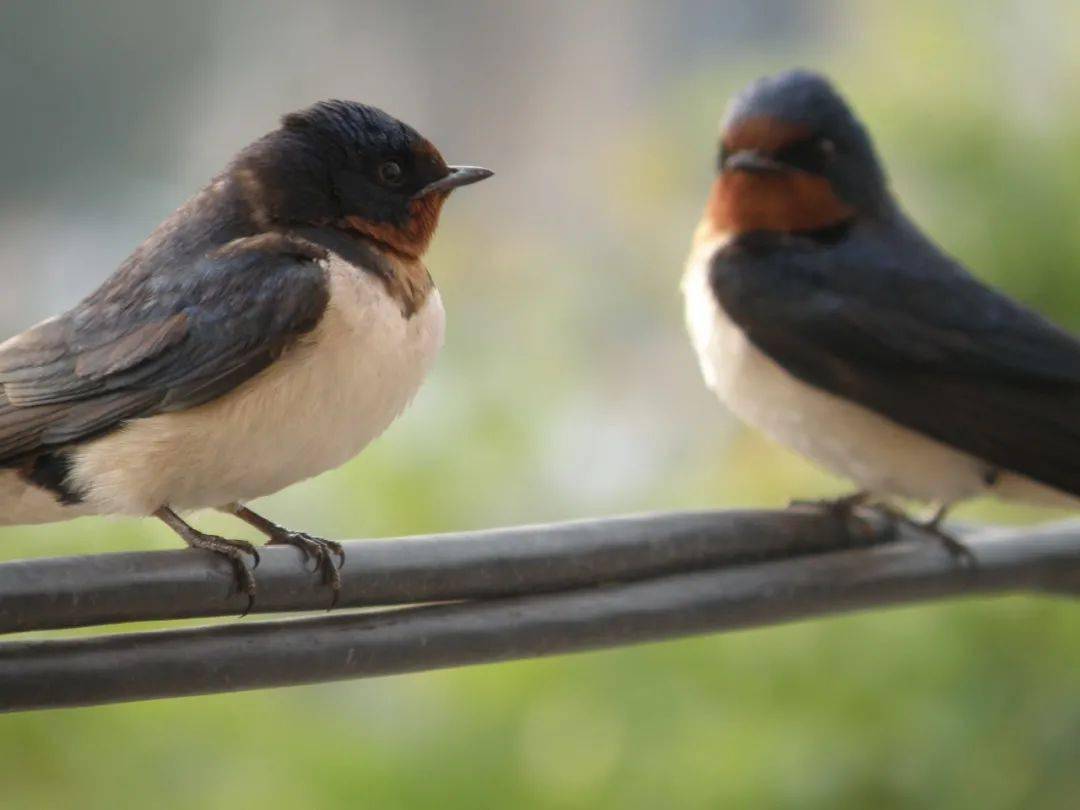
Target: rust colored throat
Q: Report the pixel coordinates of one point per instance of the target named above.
(788, 202)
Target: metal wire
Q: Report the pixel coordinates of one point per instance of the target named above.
(801, 584)
(41, 594)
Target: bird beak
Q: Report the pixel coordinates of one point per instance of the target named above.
(753, 162)
(458, 176)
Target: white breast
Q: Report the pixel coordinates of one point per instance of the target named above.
(311, 410)
(844, 438)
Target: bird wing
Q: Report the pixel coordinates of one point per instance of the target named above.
(920, 342)
(148, 342)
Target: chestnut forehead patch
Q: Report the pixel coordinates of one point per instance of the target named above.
(763, 134)
(426, 152)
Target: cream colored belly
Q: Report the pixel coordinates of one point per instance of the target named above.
(310, 411)
(844, 438)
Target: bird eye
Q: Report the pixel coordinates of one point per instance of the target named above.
(827, 148)
(390, 173)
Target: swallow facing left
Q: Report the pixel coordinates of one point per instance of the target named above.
(821, 315)
(264, 333)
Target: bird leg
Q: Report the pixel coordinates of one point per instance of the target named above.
(322, 551)
(232, 550)
(841, 509)
(955, 548)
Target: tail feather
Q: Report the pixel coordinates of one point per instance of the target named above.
(23, 503)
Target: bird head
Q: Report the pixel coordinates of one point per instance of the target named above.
(793, 158)
(352, 167)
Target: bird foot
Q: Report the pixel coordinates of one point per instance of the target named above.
(234, 551)
(960, 553)
(956, 549)
(321, 551)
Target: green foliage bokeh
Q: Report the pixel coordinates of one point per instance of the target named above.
(567, 389)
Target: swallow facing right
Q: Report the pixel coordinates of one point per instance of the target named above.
(824, 317)
(264, 333)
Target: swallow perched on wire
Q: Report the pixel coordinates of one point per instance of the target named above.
(264, 333)
(821, 315)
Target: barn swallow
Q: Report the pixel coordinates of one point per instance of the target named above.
(264, 333)
(824, 317)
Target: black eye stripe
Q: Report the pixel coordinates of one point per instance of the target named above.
(810, 154)
(722, 156)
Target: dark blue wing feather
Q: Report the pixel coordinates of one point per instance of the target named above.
(899, 328)
(147, 342)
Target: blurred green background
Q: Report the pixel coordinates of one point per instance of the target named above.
(567, 387)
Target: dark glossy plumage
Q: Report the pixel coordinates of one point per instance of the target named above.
(884, 319)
